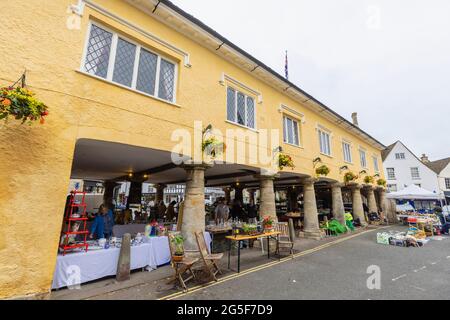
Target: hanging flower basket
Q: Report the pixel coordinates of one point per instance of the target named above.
(285, 160)
(349, 177)
(381, 182)
(368, 179)
(213, 147)
(21, 104)
(323, 170)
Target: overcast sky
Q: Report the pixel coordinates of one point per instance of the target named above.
(389, 60)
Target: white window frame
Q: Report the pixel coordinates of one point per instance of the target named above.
(415, 177)
(321, 130)
(447, 183)
(361, 153)
(401, 156)
(285, 136)
(345, 142)
(393, 172)
(236, 91)
(112, 58)
(376, 164)
(389, 186)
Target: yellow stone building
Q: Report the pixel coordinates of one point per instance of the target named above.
(124, 81)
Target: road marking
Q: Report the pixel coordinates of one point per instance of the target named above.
(399, 277)
(418, 288)
(264, 266)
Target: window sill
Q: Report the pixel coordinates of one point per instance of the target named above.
(127, 88)
(242, 126)
(327, 155)
(293, 145)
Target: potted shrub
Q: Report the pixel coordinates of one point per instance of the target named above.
(368, 179)
(21, 104)
(285, 160)
(323, 170)
(178, 242)
(349, 177)
(381, 182)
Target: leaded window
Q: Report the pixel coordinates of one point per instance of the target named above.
(290, 131)
(98, 50)
(324, 141)
(346, 147)
(116, 59)
(240, 108)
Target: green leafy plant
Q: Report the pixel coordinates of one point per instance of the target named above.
(349, 177)
(178, 242)
(323, 170)
(21, 104)
(381, 182)
(368, 179)
(248, 228)
(285, 160)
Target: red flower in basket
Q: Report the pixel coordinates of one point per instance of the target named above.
(267, 222)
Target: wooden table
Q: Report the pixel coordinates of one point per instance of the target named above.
(240, 238)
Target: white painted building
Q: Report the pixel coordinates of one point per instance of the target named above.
(442, 169)
(403, 168)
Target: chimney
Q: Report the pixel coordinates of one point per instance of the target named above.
(355, 119)
(424, 158)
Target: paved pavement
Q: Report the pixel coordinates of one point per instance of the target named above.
(340, 272)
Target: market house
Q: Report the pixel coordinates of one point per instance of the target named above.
(119, 78)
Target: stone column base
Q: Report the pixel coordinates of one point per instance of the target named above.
(312, 234)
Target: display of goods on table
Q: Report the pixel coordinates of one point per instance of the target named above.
(250, 229)
(412, 238)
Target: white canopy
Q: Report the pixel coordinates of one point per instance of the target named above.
(414, 192)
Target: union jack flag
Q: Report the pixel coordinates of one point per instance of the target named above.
(286, 67)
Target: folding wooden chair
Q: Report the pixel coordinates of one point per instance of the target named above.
(183, 268)
(210, 260)
(285, 239)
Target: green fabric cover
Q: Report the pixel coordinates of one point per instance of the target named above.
(349, 224)
(336, 227)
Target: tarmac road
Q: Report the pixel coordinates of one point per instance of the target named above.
(341, 272)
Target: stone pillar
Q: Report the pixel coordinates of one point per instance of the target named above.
(108, 196)
(357, 203)
(371, 200)
(159, 192)
(135, 194)
(267, 197)
(194, 204)
(311, 218)
(337, 202)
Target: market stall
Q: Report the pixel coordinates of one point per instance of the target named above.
(101, 261)
(415, 198)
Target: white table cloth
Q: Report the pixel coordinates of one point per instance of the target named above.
(81, 267)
